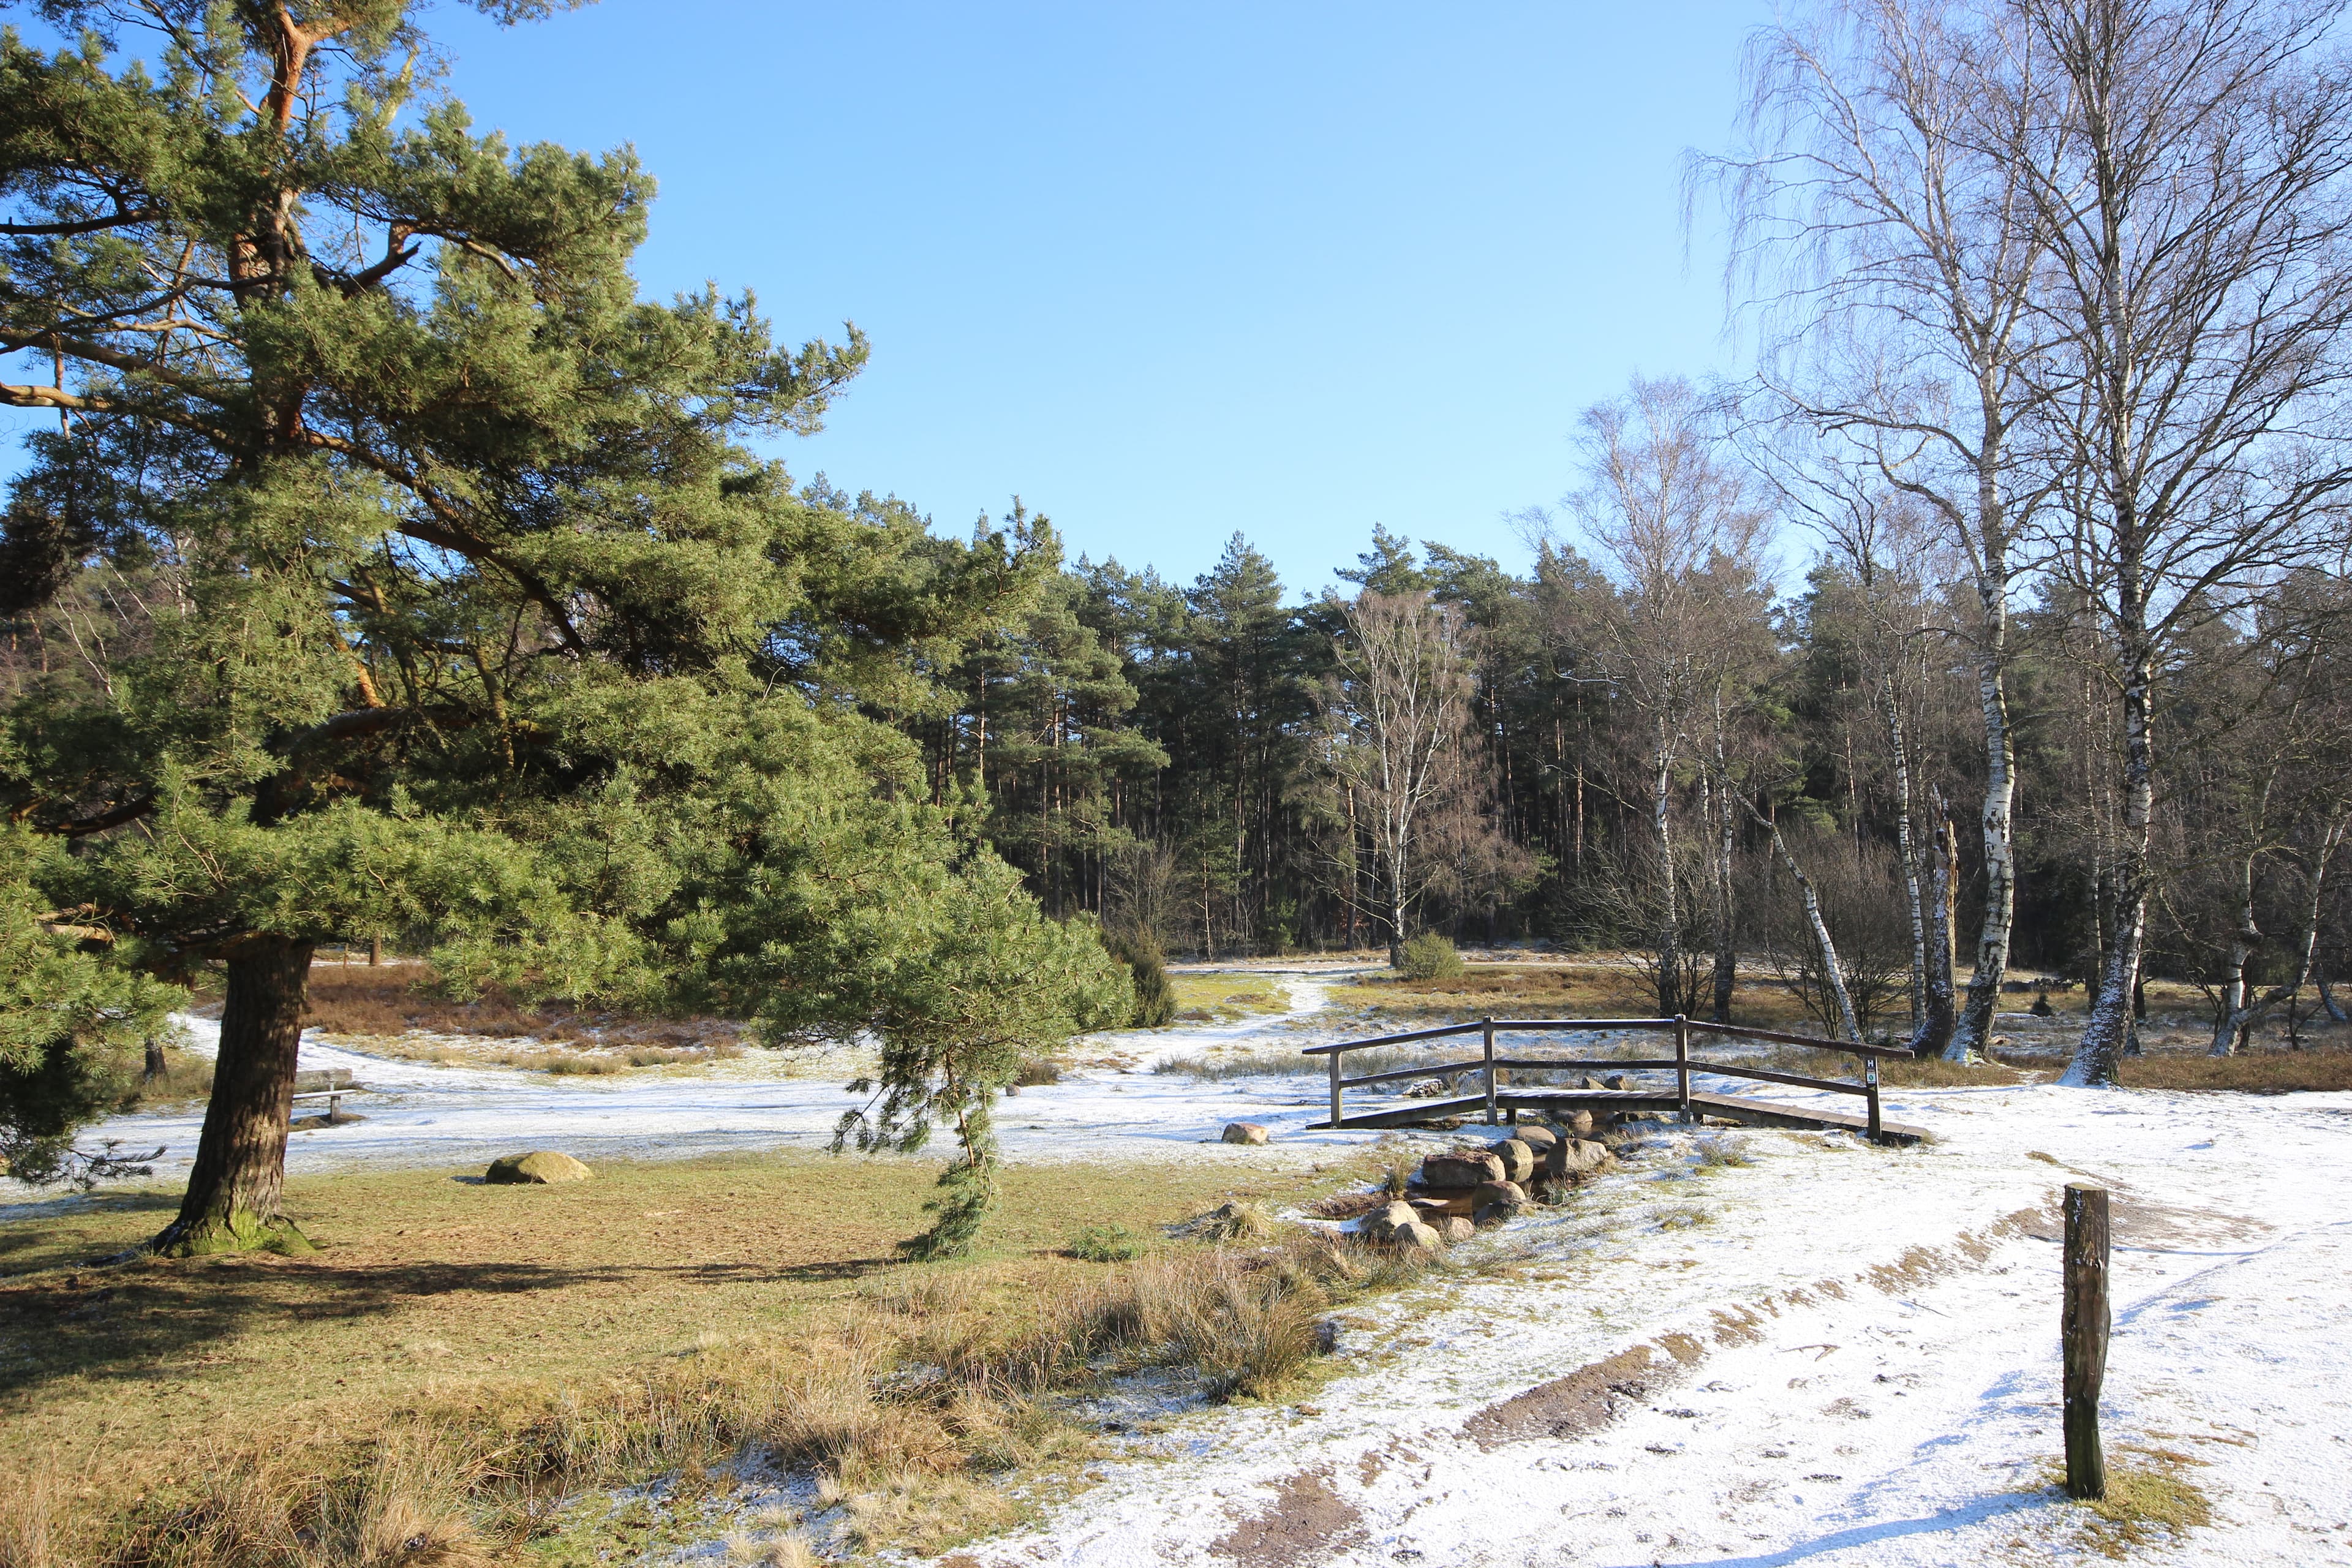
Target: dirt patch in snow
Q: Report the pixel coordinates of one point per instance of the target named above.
(1587, 1398)
(1307, 1524)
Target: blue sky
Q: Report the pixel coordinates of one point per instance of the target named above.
(1166, 271)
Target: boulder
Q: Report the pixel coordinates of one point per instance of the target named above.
(1518, 1159)
(1577, 1124)
(1592, 1082)
(1575, 1157)
(1382, 1223)
(1537, 1137)
(1453, 1228)
(1456, 1172)
(1416, 1234)
(1511, 1195)
(1429, 1211)
(1614, 1080)
(1245, 1132)
(541, 1167)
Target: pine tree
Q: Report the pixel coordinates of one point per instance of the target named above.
(481, 621)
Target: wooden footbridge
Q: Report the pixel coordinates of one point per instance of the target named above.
(1496, 1100)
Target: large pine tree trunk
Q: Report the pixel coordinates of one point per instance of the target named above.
(234, 1198)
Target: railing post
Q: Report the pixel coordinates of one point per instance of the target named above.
(1682, 1063)
(1489, 1028)
(1870, 1082)
(1334, 1059)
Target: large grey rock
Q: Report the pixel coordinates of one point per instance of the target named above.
(1417, 1235)
(1510, 1194)
(1577, 1124)
(1456, 1172)
(1518, 1159)
(1575, 1157)
(1536, 1136)
(541, 1167)
(1453, 1228)
(1382, 1222)
(1245, 1132)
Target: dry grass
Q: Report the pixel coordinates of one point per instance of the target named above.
(382, 1004)
(187, 1077)
(1899, 1072)
(2320, 1068)
(2150, 1504)
(1221, 999)
(1587, 989)
(460, 1365)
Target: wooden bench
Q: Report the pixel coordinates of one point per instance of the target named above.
(330, 1084)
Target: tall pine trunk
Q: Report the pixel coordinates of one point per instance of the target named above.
(236, 1191)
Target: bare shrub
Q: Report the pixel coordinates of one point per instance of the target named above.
(1861, 902)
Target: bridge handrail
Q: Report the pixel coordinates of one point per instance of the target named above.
(1681, 1064)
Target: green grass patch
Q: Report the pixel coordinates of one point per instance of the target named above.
(1107, 1243)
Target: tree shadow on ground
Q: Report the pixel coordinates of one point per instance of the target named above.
(152, 1318)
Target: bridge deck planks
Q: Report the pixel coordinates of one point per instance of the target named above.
(1737, 1107)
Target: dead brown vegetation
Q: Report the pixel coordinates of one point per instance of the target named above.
(461, 1366)
(387, 1000)
(2314, 1069)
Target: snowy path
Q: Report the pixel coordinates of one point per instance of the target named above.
(430, 1115)
(1872, 1376)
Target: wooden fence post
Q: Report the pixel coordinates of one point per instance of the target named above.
(1488, 1025)
(2082, 1328)
(1334, 1060)
(1682, 1064)
(1870, 1082)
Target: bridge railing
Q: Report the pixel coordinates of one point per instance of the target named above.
(1682, 1063)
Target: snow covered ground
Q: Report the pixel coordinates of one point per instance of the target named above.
(1851, 1358)
(1833, 1354)
(423, 1114)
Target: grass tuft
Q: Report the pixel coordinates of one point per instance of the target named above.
(1720, 1153)
(2147, 1505)
(2315, 1070)
(1107, 1243)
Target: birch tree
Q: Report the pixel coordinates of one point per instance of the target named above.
(1402, 713)
(1672, 517)
(1882, 206)
(2188, 164)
